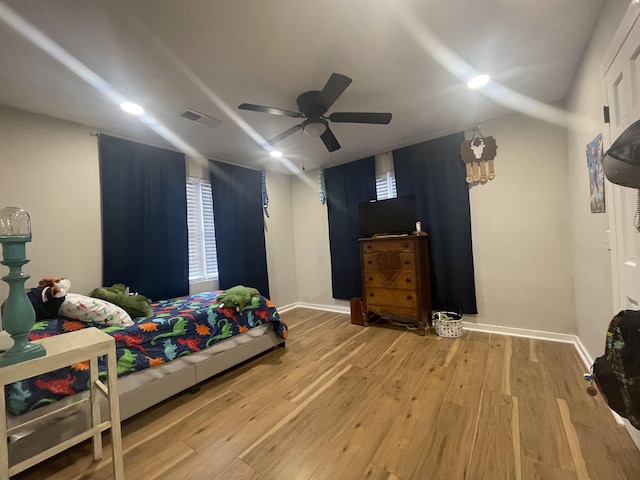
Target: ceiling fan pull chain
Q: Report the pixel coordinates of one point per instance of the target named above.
(636, 219)
(301, 151)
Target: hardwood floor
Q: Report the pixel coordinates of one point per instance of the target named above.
(348, 402)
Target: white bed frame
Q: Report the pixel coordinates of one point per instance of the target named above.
(62, 420)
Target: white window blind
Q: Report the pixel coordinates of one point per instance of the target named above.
(386, 186)
(203, 261)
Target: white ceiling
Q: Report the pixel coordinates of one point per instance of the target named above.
(407, 57)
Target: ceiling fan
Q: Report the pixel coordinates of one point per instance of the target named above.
(313, 106)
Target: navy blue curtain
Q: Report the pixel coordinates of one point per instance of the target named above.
(145, 242)
(237, 214)
(434, 173)
(346, 187)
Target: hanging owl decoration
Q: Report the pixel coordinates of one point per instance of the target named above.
(478, 154)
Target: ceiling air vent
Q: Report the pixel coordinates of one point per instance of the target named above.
(200, 118)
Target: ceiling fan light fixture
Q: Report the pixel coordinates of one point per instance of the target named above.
(314, 128)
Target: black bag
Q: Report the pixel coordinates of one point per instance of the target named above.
(617, 372)
(621, 163)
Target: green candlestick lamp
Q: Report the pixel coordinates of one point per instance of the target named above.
(18, 316)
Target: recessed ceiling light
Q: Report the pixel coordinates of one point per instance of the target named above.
(132, 108)
(276, 153)
(478, 81)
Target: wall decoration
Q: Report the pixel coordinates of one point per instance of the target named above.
(265, 195)
(478, 154)
(321, 188)
(596, 175)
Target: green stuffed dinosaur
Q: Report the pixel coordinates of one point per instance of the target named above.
(236, 297)
(118, 294)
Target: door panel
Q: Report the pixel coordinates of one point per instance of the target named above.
(622, 86)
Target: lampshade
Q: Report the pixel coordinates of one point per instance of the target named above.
(314, 128)
(14, 222)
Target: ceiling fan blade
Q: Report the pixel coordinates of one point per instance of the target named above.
(330, 141)
(271, 110)
(336, 84)
(285, 134)
(360, 117)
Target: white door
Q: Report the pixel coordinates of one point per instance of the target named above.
(622, 84)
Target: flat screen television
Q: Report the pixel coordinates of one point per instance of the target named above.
(392, 216)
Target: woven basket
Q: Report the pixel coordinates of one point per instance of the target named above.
(448, 324)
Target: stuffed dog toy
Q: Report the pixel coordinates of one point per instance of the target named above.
(47, 297)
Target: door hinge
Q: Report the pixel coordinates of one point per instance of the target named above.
(605, 113)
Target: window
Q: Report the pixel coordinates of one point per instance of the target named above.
(385, 177)
(203, 261)
(386, 186)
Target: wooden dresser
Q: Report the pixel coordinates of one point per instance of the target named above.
(395, 280)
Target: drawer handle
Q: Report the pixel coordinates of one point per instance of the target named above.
(371, 294)
(407, 245)
(370, 278)
(408, 279)
(369, 262)
(369, 246)
(407, 262)
(409, 297)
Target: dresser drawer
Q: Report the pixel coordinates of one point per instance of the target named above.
(388, 261)
(387, 244)
(389, 296)
(390, 278)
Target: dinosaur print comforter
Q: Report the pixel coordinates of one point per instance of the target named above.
(177, 327)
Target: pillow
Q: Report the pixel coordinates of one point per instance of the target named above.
(93, 310)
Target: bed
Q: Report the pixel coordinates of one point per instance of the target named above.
(186, 341)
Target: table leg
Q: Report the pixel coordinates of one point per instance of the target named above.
(95, 408)
(4, 447)
(114, 410)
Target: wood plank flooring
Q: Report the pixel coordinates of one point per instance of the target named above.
(348, 402)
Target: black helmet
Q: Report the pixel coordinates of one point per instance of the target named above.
(621, 163)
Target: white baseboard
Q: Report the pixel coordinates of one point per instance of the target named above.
(286, 308)
(317, 306)
(519, 332)
(584, 354)
(516, 332)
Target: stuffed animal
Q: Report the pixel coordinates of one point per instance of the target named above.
(47, 297)
(135, 305)
(236, 297)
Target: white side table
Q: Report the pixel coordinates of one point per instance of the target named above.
(62, 351)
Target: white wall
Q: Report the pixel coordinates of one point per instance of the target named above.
(279, 241)
(591, 259)
(311, 242)
(521, 229)
(50, 168)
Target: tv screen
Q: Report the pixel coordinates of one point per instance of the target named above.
(391, 216)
